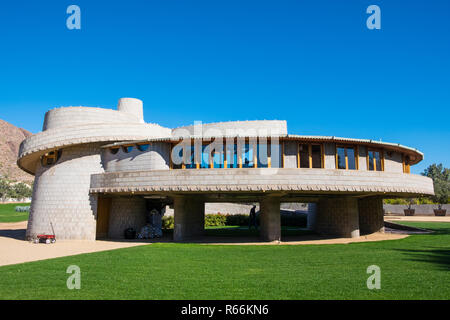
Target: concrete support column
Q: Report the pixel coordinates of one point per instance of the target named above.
(312, 213)
(371, 215)
(189, 216)
(338, 217)
(270, 219)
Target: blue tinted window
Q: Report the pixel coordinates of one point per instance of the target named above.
(143, 147)
(127, 149)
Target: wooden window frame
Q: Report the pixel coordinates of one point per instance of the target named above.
(381, 152)
(356, 150)
(405, 164)
(310, 144)
(225, 156)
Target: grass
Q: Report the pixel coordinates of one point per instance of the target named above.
(244, 231)
(7, 213)
(416, 267)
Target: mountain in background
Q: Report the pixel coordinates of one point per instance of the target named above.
(10, 139)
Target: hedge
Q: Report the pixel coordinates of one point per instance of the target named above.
(219, 220)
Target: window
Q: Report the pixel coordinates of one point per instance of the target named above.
(263, 155)
(346, 158)
(248, 156)
(114, 150)
(406, 164)
(50, 158)
(127, 149)
(190, 163)
(310, 156)
(231, 156)
(316, 156)
(245, 154)
(217, 159)
(375, 160)
(304, 156)
(143, 147)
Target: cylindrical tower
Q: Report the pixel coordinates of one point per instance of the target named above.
(65, 155)
(132, 106)
(61, 194)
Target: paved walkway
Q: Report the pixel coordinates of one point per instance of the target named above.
(417, 218)
(13, 249)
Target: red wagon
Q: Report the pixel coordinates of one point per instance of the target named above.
(46, 238)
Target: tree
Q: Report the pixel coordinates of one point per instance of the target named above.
(21, 190)
(441, 182)
(4, 188)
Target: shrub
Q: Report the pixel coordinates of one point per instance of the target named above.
(168, 222)
(215, 220)
(22, 209)
(219, 220)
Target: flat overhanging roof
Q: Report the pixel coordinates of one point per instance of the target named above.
(417, 156)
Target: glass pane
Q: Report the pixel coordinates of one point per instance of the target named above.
(191, 164)
(205, 157)
(232, 160)
(371, 160)
(316, 151)
(177, 151)
(127, 149)
(304, 156)
(351, 158)
(218, 160)
(262, 155)
(143, 147)
(247, 158)
(341, 158)
(378, 161)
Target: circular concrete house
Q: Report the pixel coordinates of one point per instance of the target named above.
(99, 171)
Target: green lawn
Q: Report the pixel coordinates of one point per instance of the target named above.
(7, 213)
(413, 268)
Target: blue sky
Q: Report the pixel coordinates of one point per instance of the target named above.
(313, 63)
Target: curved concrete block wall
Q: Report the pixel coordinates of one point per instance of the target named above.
(65, 193)
(156, 157)
(254, 128)
(61, 195)
(132, 106)
(72, 116)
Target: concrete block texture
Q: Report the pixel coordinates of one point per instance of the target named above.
(189, 218)
(260, 179)
(290, 154)
(156, 157)
(338, 217)
(371, 215)
(270, 225)
(61, 195)
(126, 212)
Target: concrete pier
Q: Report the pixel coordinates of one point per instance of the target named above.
(338, 217)
(270, 227)
(371, 215)
(189, 216)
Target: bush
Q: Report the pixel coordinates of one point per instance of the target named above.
(22, 209)
(220, 220)
(168, 222)
(215, 220)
